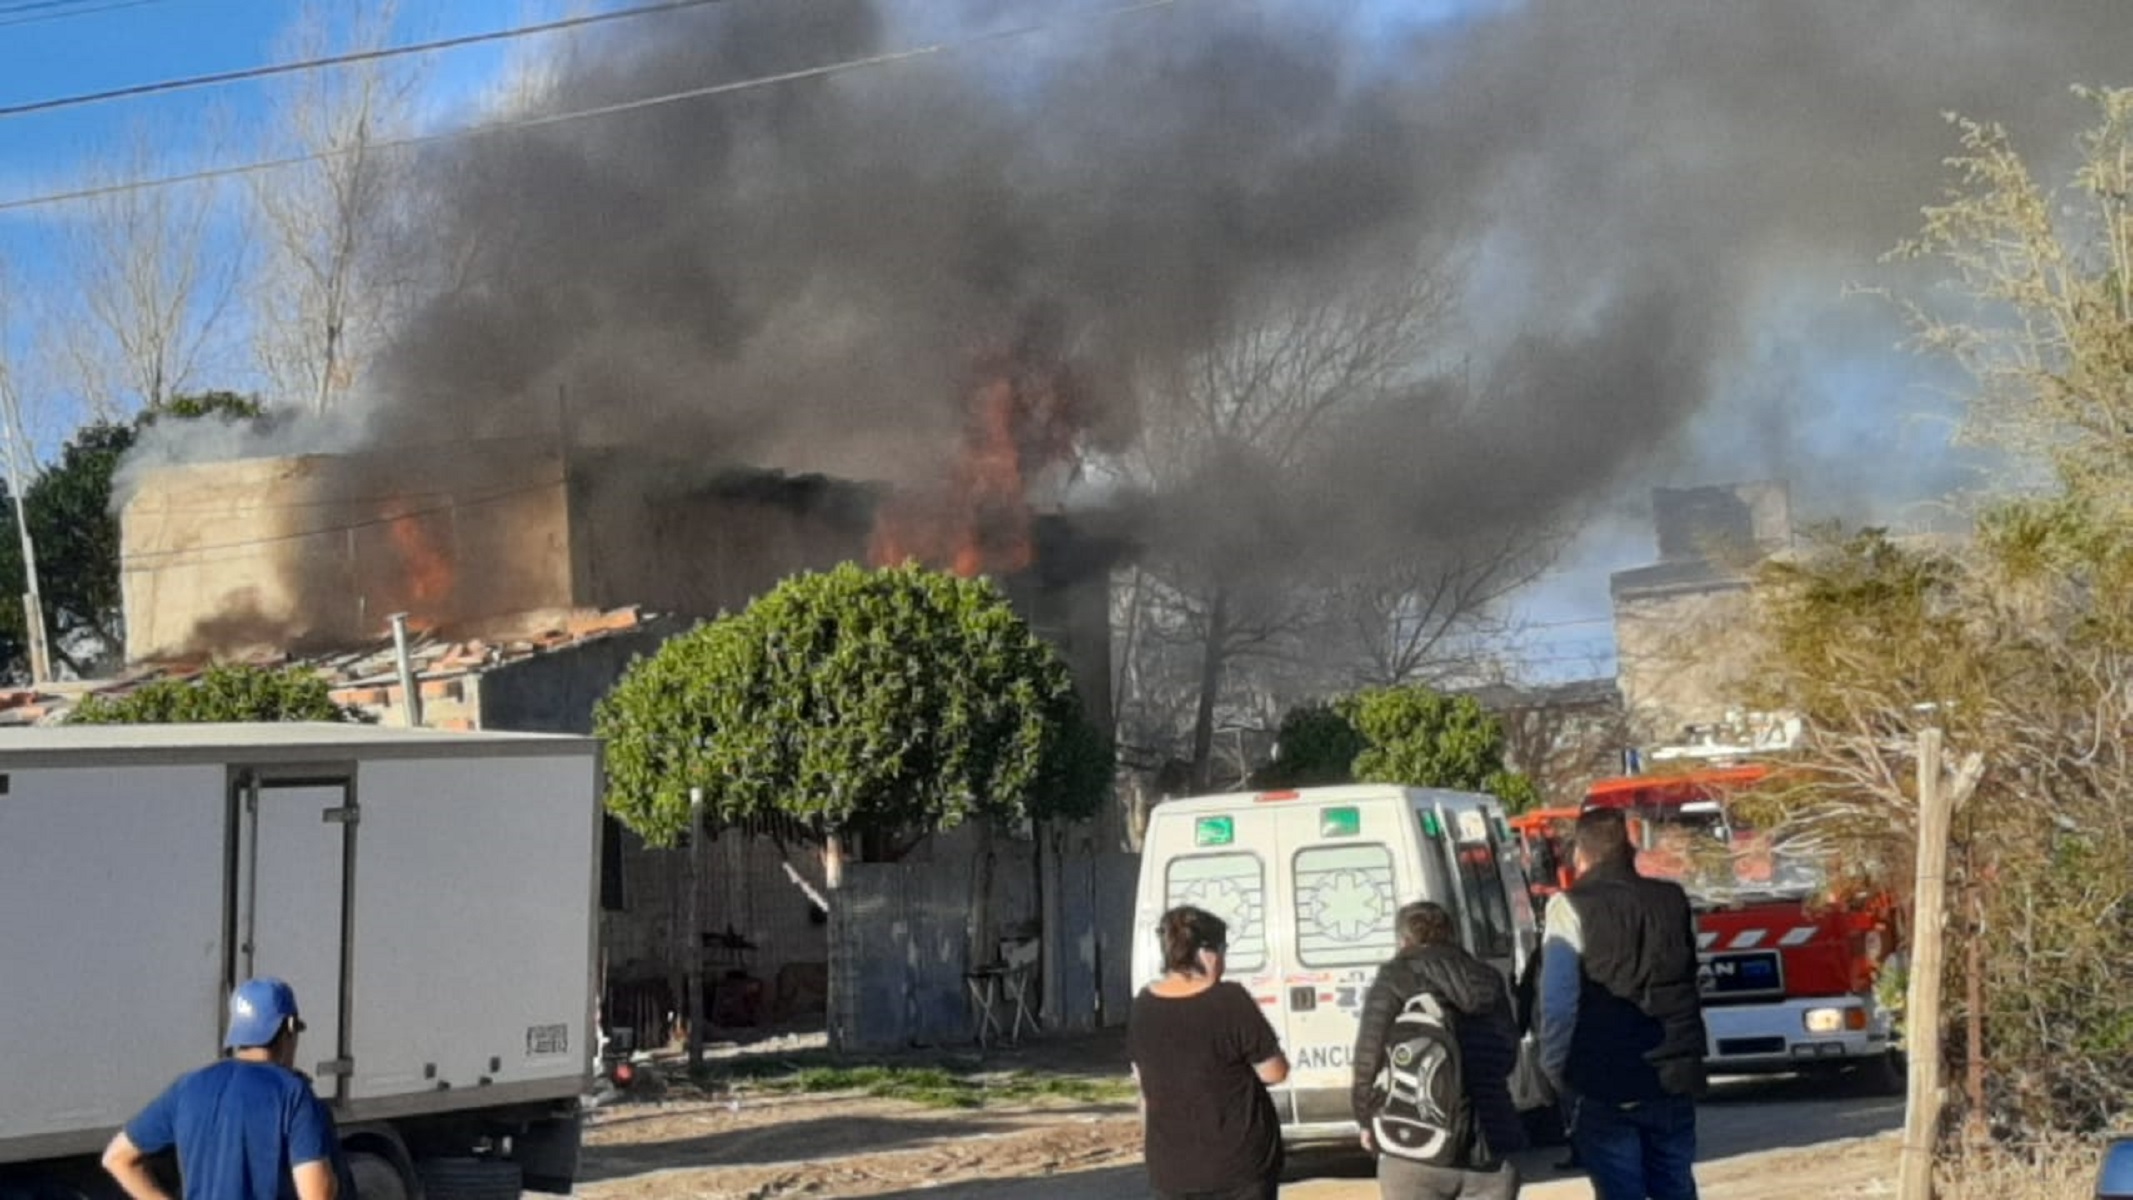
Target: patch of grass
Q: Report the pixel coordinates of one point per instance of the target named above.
(929, 1086)
(1081, 1089)
(2058, 1167)
(938, 1088)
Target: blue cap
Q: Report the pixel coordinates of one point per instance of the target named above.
(258, 1009)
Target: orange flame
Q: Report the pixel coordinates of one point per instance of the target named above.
(427, 570)
(978, 519)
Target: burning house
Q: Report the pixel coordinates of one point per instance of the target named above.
(524, 570)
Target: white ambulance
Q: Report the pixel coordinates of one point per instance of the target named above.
(1308, 881)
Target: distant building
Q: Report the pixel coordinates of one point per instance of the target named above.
(1681, 661)
(1562, 736)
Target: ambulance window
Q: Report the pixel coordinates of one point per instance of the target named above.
(1488, 912)
(1540, 859)
(1344, 905)
(1232, 887)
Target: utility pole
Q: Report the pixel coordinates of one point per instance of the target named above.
(1938, 798)
(32, 599)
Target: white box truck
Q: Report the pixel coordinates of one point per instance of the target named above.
(1309, 881)
(432, 897)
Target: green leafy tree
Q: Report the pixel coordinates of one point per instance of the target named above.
(221, 693)
(76, 533)
(876, 706)
(1419, 737)
(1318, 747)
(193, 406)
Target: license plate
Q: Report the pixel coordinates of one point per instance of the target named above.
(1745, 974)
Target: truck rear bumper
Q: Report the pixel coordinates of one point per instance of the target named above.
(1778, 1036)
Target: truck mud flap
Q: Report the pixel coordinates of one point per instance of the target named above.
(547, 1153)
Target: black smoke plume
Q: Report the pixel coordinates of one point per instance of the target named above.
(1651, 198)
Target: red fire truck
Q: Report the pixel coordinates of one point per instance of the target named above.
(1544, 838)
(1788, 961)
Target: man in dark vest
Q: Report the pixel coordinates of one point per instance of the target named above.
(1621, 1026)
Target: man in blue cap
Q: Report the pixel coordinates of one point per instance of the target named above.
(247, 1127)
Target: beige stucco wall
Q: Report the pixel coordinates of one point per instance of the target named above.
(1683, 655)
(318, 551)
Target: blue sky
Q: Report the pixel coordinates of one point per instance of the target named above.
(77, 51)
(169, 39)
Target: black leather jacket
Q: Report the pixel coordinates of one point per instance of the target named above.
(1488, 1036)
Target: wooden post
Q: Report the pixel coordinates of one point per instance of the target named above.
(984, 948)
(1974, 1127)
(693, 945)
(833, 862)
(842, 989)
(1052, 945)
(1922, 1101)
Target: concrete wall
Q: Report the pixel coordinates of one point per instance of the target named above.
(315, 552)
(673, 542)
(1682, 655)
(556, 692)
(1727, 521)
(1681, 623)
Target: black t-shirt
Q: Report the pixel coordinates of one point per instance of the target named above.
(1211, 1124)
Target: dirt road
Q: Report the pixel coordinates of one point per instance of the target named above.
(1760, 1140)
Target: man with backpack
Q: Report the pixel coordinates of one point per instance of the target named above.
(1434, 1052)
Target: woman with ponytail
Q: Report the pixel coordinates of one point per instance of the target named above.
(1204, 1056)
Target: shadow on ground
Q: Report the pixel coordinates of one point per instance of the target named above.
(1741, 1115)
(824, 1137)
(1110, 1183)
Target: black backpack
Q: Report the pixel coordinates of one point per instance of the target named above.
(1422, 1113)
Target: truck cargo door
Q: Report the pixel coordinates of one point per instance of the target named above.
(291, 904)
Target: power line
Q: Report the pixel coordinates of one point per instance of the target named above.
(1568, 623)
(34, 18)
(338, 60)
(818, 72)
(24, 6)
(133, 562)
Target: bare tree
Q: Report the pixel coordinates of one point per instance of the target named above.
(14, 460)
(1563, 737)
(1419, 615)
(155, 271)
(328, 284)
(1211, 599)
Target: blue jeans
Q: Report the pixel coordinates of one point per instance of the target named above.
(1638, 1151)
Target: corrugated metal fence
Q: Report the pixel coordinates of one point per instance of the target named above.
(900, 951)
